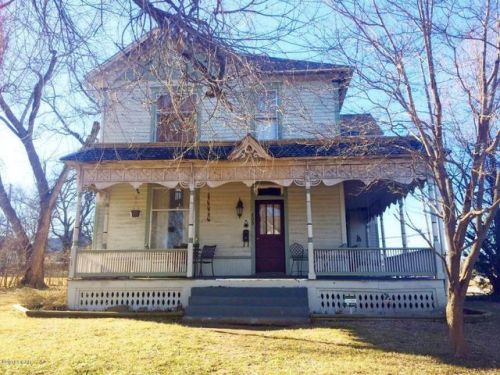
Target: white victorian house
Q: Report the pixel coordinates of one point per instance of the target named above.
(265, 208)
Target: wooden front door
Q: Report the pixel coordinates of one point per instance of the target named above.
(269, 236)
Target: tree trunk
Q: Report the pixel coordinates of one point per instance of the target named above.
(34, 274)
(455, 321)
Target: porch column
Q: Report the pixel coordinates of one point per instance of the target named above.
(310, 243)
(382, 229)
(190, 232)
(402, 222)
(105, 220)
(343, 224)
(436, 231)
(76, 235)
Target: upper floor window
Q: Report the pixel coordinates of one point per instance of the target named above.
(266, 115)
(176, 118)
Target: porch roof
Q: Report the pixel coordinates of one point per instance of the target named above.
(336, 147)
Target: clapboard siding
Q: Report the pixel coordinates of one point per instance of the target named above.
(127, 113)
(361, 232)
(325, 211)
(224, 228)
(218, 122)
(125, 232)
(373, 240)
(309, 109)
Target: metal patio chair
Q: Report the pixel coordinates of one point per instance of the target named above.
(297, 252)
(207, 257)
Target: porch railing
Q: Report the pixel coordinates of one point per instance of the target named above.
(374, 262)
(135, 263)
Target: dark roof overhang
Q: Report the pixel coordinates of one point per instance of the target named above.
(340, 147)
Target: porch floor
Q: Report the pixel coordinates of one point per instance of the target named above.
(276, 277)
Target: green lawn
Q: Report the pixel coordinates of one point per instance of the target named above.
(125, 346)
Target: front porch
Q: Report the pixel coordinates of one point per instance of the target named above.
(304, 232)
(335, 262)
(152, 215)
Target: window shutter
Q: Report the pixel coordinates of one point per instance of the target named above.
(188, 105)
(165, 103)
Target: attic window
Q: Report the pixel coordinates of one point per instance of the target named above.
(175, 118)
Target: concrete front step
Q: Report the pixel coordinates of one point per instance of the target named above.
(248, 292)
(263, 320)
(236, 305)
(252, 301)
(247, 311)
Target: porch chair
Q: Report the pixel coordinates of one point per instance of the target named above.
(297, 252)
(207, 257)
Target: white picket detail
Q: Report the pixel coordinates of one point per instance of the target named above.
(131, 263)
(375, 262)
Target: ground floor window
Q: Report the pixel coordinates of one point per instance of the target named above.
(169, 218)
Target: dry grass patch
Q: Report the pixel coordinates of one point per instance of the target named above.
(126, 346)
(49, 299)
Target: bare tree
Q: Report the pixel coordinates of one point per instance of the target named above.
(212, 36)
(488, 262)
(63, 218)
(12, 258)
(432, 68)
(39, 48)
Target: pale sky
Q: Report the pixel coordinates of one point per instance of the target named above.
(16, 170)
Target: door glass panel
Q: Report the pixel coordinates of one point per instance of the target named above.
(262, 219)
(277, 219)
(270, 219)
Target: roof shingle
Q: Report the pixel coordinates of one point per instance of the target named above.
(354, 147)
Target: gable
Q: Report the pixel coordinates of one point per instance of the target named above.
(249, 149)
(136, 56)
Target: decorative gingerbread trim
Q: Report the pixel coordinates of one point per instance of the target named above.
(249, 149)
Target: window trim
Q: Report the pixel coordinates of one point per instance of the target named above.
(271, 86)
(156, 93)
(152, 210)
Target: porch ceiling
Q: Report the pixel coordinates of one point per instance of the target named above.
(375, 197)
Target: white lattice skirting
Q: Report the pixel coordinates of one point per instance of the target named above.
(388, 302)
(415, 297)
(133, 299)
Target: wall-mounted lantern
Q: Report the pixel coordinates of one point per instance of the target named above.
(178, 196)
(239, 208)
